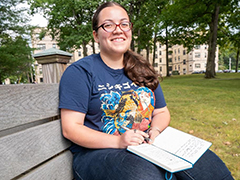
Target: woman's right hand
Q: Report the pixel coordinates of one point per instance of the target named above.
(132, 138)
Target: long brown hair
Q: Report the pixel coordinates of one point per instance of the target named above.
(138, 69)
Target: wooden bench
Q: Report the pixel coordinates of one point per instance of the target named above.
(31, 142)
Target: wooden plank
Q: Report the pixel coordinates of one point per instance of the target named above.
(25, 149)
(59, 168)
(21, 104)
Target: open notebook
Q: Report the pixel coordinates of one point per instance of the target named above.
(173, 150)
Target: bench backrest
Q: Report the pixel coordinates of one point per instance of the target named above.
(31, 142)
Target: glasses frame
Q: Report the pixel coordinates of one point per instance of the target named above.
(116, 25)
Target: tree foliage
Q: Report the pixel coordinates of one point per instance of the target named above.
(69, 21)
(15, 58)
(198, 22)
(15, 53)
(11, 17)
(186, 22)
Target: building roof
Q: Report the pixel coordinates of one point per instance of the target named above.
(52, 51)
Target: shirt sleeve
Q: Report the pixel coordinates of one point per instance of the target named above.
(160, 100)
(75, 89)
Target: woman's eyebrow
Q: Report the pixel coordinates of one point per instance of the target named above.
(123, 19)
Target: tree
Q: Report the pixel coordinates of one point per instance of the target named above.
(69, 21)
(233, 20)
(15, 58)
(11, 17)
(143, 26)
(15, 54)
(197, 22)
(145, 15)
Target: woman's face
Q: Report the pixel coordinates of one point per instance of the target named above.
(118, 41)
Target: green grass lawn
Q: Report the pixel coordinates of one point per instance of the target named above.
(209, 109)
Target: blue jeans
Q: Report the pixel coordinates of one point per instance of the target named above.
(119, 164)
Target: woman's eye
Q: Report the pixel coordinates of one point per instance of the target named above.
(107, 25)
(125, 24)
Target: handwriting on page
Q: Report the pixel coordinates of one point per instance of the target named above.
(190, 148)
(163, 156)
(158, 155)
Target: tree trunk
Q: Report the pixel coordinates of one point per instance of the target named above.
(154, 48)
(84, 49)
(138, 49)
(147, 54)
(166, 42)
(237, 60)
(132, 45)
(93, 46)
(210, 70)
(1, 79)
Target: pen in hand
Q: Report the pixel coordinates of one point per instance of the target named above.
(126, 129)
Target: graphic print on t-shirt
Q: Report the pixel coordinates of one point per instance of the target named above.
(132, 109)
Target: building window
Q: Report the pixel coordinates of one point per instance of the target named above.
(160, 60)
(156, 56)
(41, 46)
(184, 52)
(79, 53)
(205, 55)
(197, 55)
(197, 65)
(197, 46)
(160, 68)
(170, 68)
(175, 51)
(40, 70)
(54, 45)
(178, 58)
(175, 59)
(160, 45)
(170, 59)
(175, 67)
(155, 64)
(184, 61)
(160, 53)
(37, 36)
(184, 71)
(179, 67)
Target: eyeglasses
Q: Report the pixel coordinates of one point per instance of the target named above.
(110, 26)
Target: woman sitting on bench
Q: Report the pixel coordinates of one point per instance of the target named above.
(102, 94)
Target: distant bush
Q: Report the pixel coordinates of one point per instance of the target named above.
(175, 73)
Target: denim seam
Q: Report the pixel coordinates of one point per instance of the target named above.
(78, 174)
(227, 176)
(188, 175)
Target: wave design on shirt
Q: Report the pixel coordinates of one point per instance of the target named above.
(132, 109)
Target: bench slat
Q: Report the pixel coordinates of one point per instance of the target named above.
(59, 168)
(25, 149)
(21, 104)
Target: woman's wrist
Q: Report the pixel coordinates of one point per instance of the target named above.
(154, 128)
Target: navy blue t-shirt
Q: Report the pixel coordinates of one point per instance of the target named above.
(107, 96)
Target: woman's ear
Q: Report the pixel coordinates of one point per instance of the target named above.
(95, 36)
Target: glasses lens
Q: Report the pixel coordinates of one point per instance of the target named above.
(109, 27)
(125, 26)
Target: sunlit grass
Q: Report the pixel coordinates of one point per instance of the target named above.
(209, 109)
